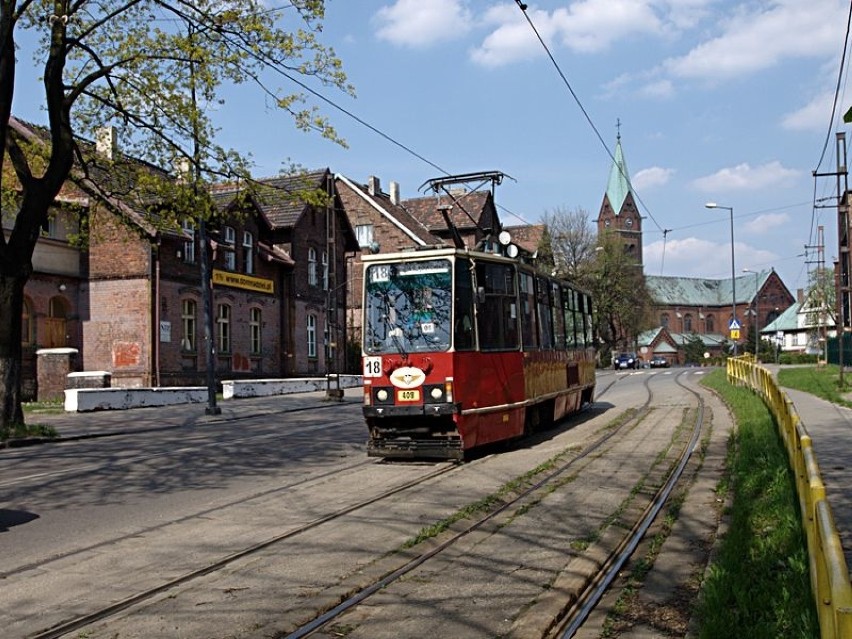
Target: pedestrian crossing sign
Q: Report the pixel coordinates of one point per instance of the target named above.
(734, 325)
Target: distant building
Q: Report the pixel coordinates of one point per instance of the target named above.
(685, 307)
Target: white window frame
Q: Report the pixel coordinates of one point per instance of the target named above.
(229, 239)
(311, 326)
(255, 330)
(189, 324)
(248, 253)
(312, 266)
(364, 235)
(223, 323)
(188, 227)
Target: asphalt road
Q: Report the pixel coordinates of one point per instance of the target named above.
(94, 521)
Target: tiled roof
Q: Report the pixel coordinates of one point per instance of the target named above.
(689, 291)
(528, 236)
(787, 321)
(281, 199)
(425, 209)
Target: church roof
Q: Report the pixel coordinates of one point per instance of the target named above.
(619, 181)
(693, 291)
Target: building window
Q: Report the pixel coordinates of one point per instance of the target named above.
(248, 253)
(325, 270)
(664, 320)
(364, 235)
(188, 311)
(312, 335)
(254, 330)
(188, 227)
(709, 327)
(312, 267)
(687, 323)
(223, 321)
(27, 323)
(229, 238)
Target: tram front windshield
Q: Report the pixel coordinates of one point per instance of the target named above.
(408, 307)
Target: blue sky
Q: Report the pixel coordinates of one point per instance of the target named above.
(718, 101)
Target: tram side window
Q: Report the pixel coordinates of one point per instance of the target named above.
(463, 321)
(497, 317)
(558, 315)
(569, 302)
(587, 320)
(529, 335)
(545, 319)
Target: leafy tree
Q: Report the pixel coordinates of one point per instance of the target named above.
(693, 349)
(572, 240)
(152, 69)
(618, 289)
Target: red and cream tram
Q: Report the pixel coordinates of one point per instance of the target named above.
(464, 348)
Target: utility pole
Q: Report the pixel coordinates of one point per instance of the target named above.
(204, 241)
(844, 266)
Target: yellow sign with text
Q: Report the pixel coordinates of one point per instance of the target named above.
(238, 280)
(735, 333)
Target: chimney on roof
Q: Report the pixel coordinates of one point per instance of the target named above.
(394, 193)
(374, 186)
(106, 142)
(800, 295)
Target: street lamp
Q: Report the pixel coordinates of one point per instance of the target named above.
(756, 310)
(730, 209)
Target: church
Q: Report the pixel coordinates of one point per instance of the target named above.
(723, 313)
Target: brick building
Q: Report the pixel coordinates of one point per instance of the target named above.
(130, 301)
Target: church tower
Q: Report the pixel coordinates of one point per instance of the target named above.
(618, 210)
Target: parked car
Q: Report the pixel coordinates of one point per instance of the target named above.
(625, 360)
(658, 361)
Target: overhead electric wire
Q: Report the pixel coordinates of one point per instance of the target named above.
(523, 7)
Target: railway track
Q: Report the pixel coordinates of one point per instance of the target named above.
(538, 486)
(566, 623)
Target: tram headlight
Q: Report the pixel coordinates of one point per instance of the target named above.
(382, 395)
(437, 393)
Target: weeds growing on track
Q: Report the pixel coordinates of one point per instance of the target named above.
(758, 585)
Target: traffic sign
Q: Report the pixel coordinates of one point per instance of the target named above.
(734, 325)
(735, 333)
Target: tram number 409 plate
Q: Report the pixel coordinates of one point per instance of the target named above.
(408, 395)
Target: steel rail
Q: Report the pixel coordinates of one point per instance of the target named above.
(71, 625)
(588, 600)
(325, 618)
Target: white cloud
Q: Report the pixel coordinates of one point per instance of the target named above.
(744, 177)
(762, 38)
(586, 26)
(814, 116)
(658, 89)
(654, 176)
(694, 257)
(420, 23)
(767, 222)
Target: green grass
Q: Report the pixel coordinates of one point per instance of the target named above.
(758, 585)
(822, 381)
(22, 431)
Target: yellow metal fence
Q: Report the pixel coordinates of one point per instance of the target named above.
(829, 573)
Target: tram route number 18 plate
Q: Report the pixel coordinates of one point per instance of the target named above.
(408, 395)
